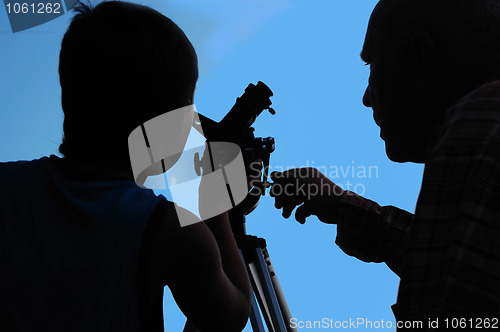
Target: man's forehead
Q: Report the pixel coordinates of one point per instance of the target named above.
(373, 25)
(367, 50)
(382, 26)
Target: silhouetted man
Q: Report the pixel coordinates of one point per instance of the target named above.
(435, 96)
(82, 247)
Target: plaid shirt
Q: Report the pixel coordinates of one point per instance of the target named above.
(448, 253)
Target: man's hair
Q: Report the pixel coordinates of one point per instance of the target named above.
(120, 65)
(466, 32)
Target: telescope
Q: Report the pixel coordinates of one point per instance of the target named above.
(236, 127)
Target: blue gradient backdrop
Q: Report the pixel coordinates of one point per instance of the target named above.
(308, 53)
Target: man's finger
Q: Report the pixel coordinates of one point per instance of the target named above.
(286, 189)
(303, 212)
(288, 208)
(288, 174)
(278, 202)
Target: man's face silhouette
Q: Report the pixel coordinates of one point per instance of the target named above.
(395, 92)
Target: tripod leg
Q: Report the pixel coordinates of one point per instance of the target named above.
(258, 291)
(273, 307)
(287, 315)
(265, 287)
(255, 318)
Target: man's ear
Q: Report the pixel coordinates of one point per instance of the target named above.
(422, 55)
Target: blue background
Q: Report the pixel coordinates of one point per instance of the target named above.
(308, 53)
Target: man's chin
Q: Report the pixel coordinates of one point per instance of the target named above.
(403, 154)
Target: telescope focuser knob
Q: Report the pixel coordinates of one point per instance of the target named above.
(271, 110)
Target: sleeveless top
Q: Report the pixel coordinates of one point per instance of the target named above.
(69, 250)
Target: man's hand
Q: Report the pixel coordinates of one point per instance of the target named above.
(360, 224)
(309, 187)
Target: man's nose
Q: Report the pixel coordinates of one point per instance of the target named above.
(366, 97)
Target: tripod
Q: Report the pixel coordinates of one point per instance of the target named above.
(267, 296)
